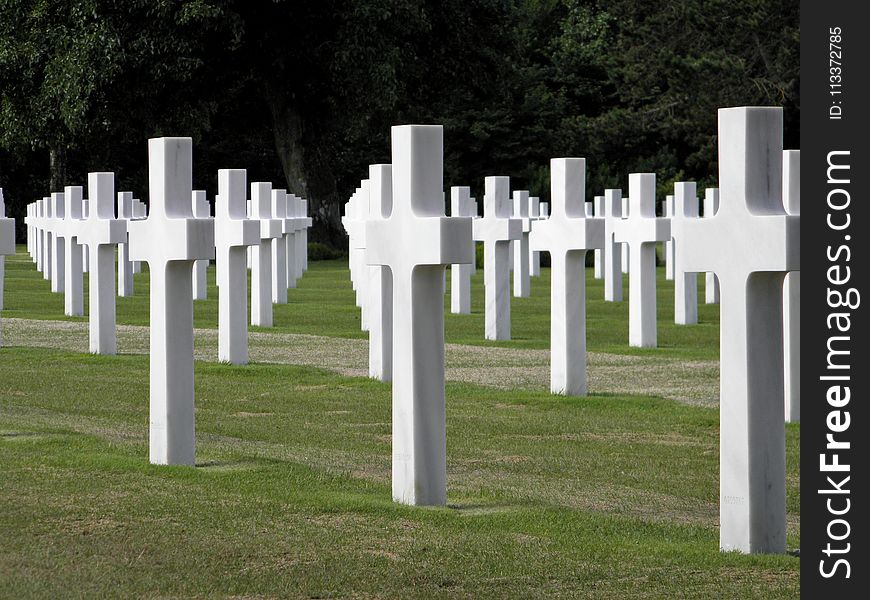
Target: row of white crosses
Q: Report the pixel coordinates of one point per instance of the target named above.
(415, 241)
(177, 234)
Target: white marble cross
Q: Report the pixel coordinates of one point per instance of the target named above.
(626, 251)
(534, 255)
(261, 257)
(125, 265)
(302, 237)
(356, 213)
(461, 205)
(750, 243)
(598, 253)
(39, 224)
(297, 209)
(640, 232)
(7, 245)
(380, 285)
(85, 257)
(416, 242)
(685, 206)
(291, 239)
(522, 283)
(279, 247)
(612, 249)
(669, 244)
(567, 235)
(711, 282)
(29, 223)
(169, 240)
(201, 210)
(100, 233)
(57, 245)
(234, 233)
(140, 211)
(73, 291)
(791, 293)
(496, 229)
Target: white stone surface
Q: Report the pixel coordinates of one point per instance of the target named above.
(140, 211)
(234, 233)
(685, 206)
(85, 257)
(7, 246)
(534, 255)
(201, 210)
(125, 265)
(669, 245)
(626, 251)
(612, 249)
(461, 205)
(791, 294)
(279, 247)
(303, 242)
(292, 236)
(416, 242)
(380, 285)
(640, 232)
(169, 240)
(750, 244)
(598, 253)
(711, 282)
(522, 282)
(567, 235)
(58, 246)
(73, 294)
(356, 214)
(101, 232)
(496, 229)
(261, 258)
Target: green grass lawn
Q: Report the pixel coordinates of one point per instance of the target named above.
(323, 304)
(603, 497)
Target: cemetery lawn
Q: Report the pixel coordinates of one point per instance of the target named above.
(599, 497)
(323, 304)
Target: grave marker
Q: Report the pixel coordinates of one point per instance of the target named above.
(750, 243)
(100, 233)
(73, 295)
(461, 205)
(685, 206)
(612, 249)
(169, 240)
(567, 235)
(125, 266)
(711, 282)
(669, 244)
(380, 285)
(234, 233)
(496, 229)
(522, 283)
(261, 257)
(598, 253)
(640, 232)
(416, 242)
(791, 293)
(201, 210)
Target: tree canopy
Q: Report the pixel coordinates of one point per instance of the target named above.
(304, 93)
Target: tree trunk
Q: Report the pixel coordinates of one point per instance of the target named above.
(57, 167)
(307, 170)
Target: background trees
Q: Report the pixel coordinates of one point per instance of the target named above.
(303, 93)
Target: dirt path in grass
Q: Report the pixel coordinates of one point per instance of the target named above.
(693, 382)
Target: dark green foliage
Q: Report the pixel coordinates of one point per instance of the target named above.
(303, 93)
(318, 251)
